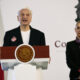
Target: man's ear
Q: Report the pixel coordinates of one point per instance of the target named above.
(18, 18)
(75, 29)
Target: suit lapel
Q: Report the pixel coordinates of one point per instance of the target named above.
(31, 36)
(19, 35)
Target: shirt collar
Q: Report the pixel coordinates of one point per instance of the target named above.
(77, 40)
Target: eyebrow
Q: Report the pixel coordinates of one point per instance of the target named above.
(78, 27)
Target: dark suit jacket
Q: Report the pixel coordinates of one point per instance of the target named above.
(36, 37)
(73, 58)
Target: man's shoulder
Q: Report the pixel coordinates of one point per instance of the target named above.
(13, 30)
(36, 31)
(71, 42)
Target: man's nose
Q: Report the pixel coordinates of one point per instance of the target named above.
(25, 16)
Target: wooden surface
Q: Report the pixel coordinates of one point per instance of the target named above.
(9, 52)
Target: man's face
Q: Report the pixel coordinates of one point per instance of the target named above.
(77, 30)
(24, 17)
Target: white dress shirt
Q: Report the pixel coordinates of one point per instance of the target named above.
(25, 36)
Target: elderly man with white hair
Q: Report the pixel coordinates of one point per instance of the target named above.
(23, 34)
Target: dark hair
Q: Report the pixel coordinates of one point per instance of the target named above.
(77, 22)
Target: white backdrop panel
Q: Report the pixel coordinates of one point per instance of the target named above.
(56, 18)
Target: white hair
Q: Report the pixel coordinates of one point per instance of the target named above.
(26, 9)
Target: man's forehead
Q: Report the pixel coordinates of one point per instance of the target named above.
(78, 24)
(24, 11)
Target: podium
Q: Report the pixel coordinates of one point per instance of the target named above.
(7, 57)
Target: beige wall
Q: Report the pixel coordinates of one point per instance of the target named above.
(1, 30)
